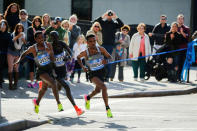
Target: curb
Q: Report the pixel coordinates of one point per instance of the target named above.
(155, 93)
(20, 125)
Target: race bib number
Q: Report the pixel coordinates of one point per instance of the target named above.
(59, 59)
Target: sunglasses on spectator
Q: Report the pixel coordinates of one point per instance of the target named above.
(23, 14)
(125, 30)
(97, 26)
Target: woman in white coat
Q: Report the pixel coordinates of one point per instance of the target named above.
(139, 47)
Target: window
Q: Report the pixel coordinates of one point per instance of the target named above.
(82, 8)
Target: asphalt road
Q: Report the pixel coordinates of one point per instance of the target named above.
(170, 113)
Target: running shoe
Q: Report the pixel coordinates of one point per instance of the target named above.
(87, 102)
(60, 107)
(79, 111)
(30, 85)
(35, 85)
(36, 106)
(109, 114)
(71, 80)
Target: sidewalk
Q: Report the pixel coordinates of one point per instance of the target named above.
(129, 88)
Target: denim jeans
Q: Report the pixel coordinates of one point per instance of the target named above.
(109, 49)
(120, 71)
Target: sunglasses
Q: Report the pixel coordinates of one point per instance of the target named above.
(97, 26)
(125, 30)
(23, 14)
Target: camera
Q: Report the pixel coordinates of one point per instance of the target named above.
(2, 24)
(110, 13)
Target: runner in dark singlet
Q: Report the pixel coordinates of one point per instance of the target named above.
(44, 58)
(62, 53)
(94, 59)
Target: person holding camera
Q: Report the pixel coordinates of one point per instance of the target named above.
(110, 23)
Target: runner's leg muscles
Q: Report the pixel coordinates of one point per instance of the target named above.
(63, 83)
(100, 86)
(41, 92)
(51, 83)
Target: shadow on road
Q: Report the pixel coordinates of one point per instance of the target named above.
(69, 121)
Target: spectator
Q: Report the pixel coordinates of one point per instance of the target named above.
(185, 32)
(23, 15)
(96, 30)
(139, 47)
(109, 23)
(1, 17)
(171, 70)
(70, 63)
(194, 36)
(122, 40)
(78, 47)
(74, 29)
(36, 26)
(65, 26)
(5, 39)
(173, 40)
(56, 26)
(159, 32)
(13, 54)
(12, 15)
(46, 21)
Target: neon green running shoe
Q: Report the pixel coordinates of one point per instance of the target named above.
(109, 114)
(60, 107)
(36, 106)
(87, 102)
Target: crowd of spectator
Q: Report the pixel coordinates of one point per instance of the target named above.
(17, 34)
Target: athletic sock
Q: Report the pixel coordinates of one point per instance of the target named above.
(107, 107)
(88, 97)
(76, 107)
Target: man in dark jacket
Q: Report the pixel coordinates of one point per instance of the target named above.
(109, 23)
(185, 32)
(159, 32)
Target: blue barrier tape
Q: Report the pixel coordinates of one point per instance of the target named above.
(166, 52)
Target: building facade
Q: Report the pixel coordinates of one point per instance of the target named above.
(130, 11)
